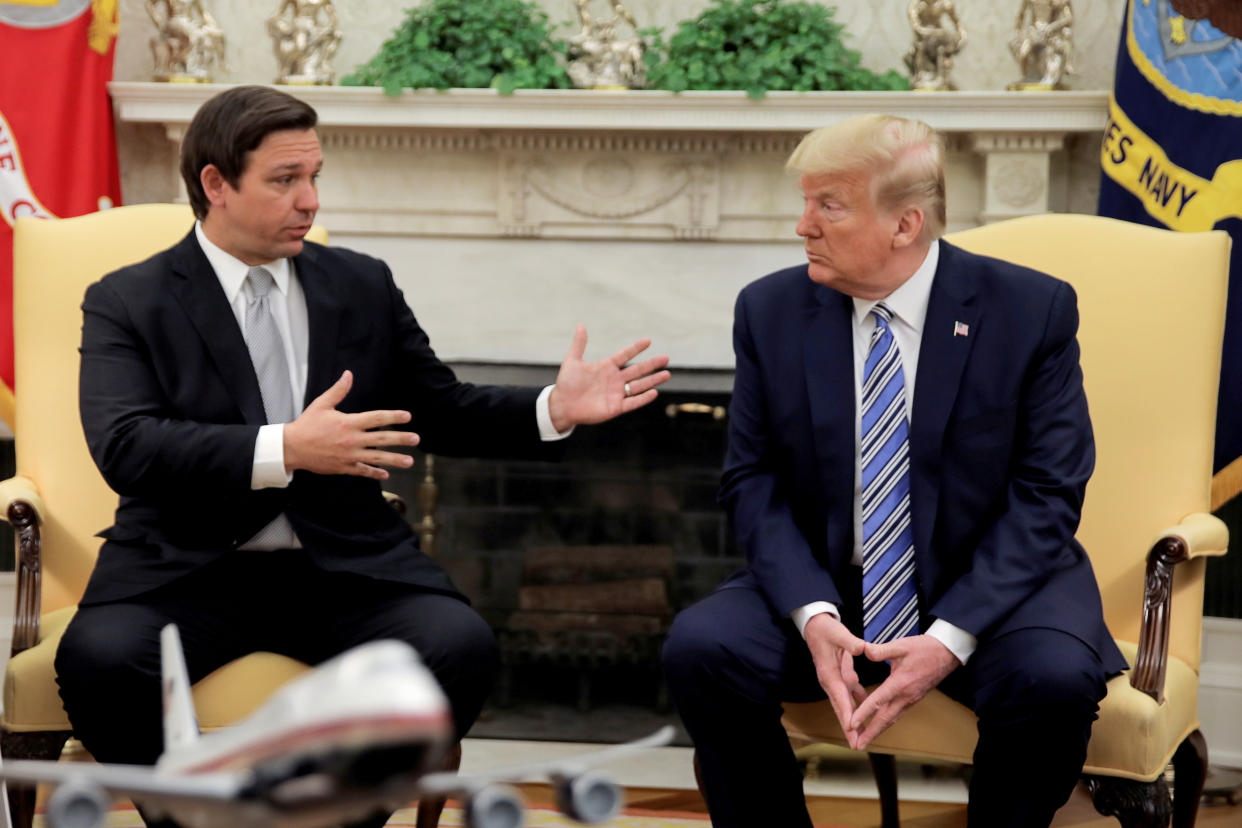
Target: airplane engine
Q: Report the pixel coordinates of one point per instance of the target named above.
(495, 806)
(588, 797)
(77, 804)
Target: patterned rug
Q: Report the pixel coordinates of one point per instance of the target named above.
(537, 816)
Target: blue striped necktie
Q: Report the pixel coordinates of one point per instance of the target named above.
(890, 601)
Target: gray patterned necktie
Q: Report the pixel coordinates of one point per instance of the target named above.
(267, 349)
(267, 353)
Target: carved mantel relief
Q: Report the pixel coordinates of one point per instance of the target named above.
(631, 166)
(605, 187)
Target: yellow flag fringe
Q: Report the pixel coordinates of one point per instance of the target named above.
(104, 25)
(1227, 484)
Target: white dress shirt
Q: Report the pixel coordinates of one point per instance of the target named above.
(909, 305)
(288, 306)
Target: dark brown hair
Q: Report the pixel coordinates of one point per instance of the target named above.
(231, 125)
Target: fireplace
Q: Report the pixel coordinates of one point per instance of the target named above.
(579, 565)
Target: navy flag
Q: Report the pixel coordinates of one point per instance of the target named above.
(1172, 157)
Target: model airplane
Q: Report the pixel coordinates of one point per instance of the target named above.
(358, 735)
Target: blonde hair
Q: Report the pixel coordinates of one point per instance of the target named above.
(904, 156)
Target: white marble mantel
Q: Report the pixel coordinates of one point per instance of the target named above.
(506, 219)
(576, 109)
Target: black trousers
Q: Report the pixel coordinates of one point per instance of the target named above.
(108, 663)
(730, 662)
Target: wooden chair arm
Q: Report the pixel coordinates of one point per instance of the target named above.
(1198, 535)
(24, 509)
(23, 489)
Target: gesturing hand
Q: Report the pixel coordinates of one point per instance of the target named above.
(592, 392)
(919, 663)
(833, 648)
(326, 441)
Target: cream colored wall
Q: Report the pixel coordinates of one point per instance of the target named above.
(879, 30)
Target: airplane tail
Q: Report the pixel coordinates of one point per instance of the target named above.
(180, 722)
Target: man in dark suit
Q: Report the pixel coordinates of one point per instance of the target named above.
(243, 392)
(916, 546)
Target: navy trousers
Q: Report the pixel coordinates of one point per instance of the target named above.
(730, 663)
(108, 663)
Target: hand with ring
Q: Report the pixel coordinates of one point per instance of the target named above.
(592, 392)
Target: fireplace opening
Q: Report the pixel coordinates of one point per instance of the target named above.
(580, 565)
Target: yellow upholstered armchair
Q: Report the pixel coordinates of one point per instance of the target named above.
(58, 500)
(1152, 317)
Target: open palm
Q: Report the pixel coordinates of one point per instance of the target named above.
(592, 392)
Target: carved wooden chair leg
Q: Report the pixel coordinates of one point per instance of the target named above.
(1190, 765)
(40, 745)
(884, 768)
(1134, 804)
(429, 809)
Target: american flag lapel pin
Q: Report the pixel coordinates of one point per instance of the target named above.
(961, 329)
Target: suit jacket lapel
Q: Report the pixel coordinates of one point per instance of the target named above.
(829, 364)
(942, 359)
(197, 289)
(323, 321)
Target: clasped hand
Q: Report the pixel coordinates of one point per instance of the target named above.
(918, 663)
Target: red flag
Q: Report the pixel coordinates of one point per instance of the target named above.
(57, 143)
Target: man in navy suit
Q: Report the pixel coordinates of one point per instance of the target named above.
(243, 392)
(909, 445)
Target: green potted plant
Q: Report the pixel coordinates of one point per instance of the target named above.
(758, 46)
(504, 44)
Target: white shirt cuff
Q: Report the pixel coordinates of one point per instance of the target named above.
(268, 471)
(805, 613)
(548, 432)
(961, 643)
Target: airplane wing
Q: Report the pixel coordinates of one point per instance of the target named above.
(449, 783)
(135, 781)
(583, 795)
(231, 798)
(84, 790)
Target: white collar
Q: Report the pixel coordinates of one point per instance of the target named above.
(231, 271)
(909, 301)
